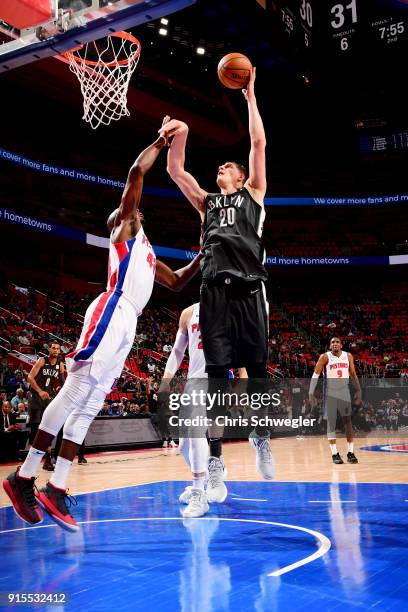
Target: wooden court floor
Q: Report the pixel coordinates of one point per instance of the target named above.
(297, 460)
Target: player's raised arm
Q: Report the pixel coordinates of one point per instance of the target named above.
(180, 344)
(175, 165)
(133, 189)
(176, 279)
(322, 362)
(256, 182)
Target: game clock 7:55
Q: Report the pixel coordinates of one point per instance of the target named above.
(391, 31)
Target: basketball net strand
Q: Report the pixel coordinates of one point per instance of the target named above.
(104, 86)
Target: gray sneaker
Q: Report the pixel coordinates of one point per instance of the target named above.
(216, 489)
(264, 460)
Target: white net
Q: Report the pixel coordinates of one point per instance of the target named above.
(104, 75)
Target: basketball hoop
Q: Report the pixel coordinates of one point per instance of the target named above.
(104, 76)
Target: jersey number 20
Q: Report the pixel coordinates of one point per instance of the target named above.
(227, 216)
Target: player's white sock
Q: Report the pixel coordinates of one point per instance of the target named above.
(199, 483)
(333, 448)
(61, 472)
(350, 447)
(31, 464)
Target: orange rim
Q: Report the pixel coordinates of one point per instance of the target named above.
(125, 35)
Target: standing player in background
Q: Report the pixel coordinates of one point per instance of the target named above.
(339, 368)
(106, 340)
(234, 309)
(45, 379)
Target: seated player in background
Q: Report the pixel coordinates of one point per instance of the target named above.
(105, 342)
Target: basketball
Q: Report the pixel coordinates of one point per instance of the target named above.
(234, 70)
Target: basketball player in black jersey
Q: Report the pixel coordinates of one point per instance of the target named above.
(45, 379)
(233, 307)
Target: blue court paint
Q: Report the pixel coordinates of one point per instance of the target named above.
(135, 552)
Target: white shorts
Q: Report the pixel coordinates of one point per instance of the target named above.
(105, 342)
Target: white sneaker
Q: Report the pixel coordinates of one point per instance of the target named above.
(197, 505)
(172, 444)
(216, 489)
(164, 445)
(185, 496)
(264, 460)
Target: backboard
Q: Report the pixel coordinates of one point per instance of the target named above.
(75, 22)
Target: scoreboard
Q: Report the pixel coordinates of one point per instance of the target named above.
(342, 25)
(375, 24)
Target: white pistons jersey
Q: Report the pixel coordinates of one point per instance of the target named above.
(131, 270)
(196, 366)
(338, 366)
(337, 377)
(110, 321)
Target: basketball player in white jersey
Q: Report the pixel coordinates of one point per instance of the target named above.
(339, 369)
(194, 449)
(105, 342)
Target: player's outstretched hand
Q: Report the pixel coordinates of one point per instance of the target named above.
(163, 138)
(249, 92)
(174, 127)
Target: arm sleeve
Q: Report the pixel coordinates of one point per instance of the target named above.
(313, 383)
(177, 353)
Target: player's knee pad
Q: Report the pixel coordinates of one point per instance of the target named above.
(198, 455)
(184, 448)
(77, 424)
(59, 409)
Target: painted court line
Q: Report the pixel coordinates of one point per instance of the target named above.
(332, 501)
(324, 542)
(250, 499)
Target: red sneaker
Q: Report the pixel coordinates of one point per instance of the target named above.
(54, 502)
(21, 493)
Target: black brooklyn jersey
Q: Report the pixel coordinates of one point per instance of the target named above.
(231, 237)
(48, 378)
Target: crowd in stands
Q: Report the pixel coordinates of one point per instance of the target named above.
(375, 414)
(375, 331)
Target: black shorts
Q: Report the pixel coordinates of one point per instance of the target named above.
(234, 323)
(36, 407)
